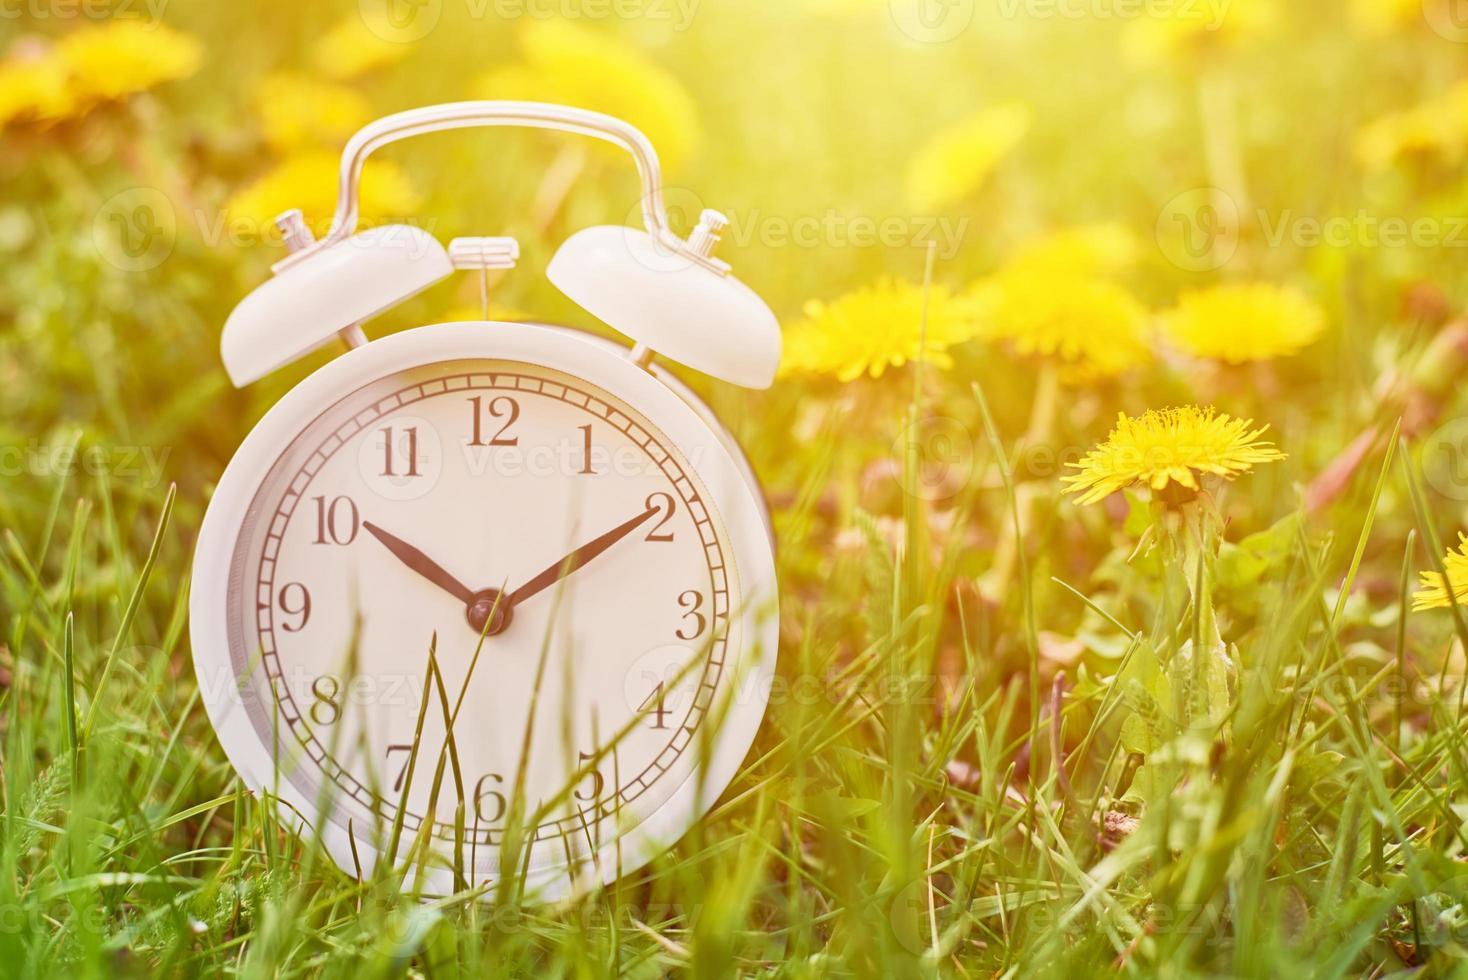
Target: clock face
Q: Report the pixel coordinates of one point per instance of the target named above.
(559, 557)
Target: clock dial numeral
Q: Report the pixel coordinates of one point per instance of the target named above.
(388, 468)
(586, 467)
(664, 504)
(691, 600)
(407, 750)
(656, 708)
(501, 407)
(598, 782)
(293, 607)
(325, 710)
(489, 803)
(331, 519)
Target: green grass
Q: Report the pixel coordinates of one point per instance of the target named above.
(910, 807)
(951, 779)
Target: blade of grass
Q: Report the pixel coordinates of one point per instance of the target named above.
(132, 609)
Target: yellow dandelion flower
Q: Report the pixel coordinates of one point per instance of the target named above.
(34, 89)
(1182, 446)
(1244, 322)
(1433, 594)
(124, 57)
(309, 181)
(1189, 31)
(874, 328)
(297, 110)
(580, 67)
(352, 47)
(957, 160)
(1091, 327)
(1051, 299)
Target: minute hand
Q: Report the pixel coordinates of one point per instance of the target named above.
(577, 558)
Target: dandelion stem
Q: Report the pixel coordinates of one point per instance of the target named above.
(1041, 428)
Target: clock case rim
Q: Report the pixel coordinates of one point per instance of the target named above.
(667, 402)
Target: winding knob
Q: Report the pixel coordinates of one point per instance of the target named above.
(293, 230)
(705, 237)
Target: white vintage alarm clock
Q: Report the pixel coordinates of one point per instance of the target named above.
(567, 528)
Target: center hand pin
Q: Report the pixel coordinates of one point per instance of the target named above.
(487, 612)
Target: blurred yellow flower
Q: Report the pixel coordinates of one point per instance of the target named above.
(1081, 250)
(93, 64)
(1437, 127)
(1091, 327)
(1433, 594)
(124, 57)
(34, 89)
(957, 160)
(874, 328)
(1170, 446)
(497, 312)
(1189, 30)
(1382, 16)
(353, 48)
(309, 181)
(576, 66)
(1052, 300)
(297, 110)
(1244, 322)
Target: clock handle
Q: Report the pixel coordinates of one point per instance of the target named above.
(534, 115)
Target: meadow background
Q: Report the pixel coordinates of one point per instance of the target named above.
(988, 226)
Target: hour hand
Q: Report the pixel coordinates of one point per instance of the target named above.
(421, 563)
(554, 573)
